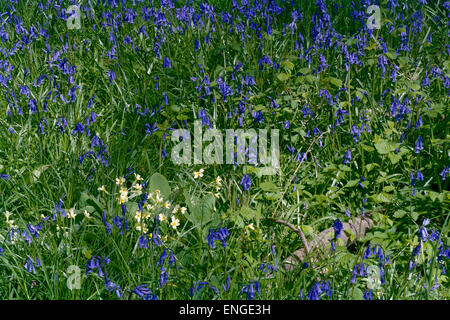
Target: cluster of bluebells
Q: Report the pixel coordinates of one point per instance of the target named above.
(318, 290)
(251, 289)
(99, 264)
(424, 236)
(219, 234)
(163, 275)
(269, 267)
(29, 265)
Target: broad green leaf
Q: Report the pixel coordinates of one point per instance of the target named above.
(159, 182)
(283, 76)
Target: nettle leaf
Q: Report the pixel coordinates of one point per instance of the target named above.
(159, 182)
(352, 183)
(337, 82)
(268, 186)
(394, 157)
(383, 197)
(399, 214)
(283, 76)
(307, 230)
(388, 188)
(384, 146)
(248, 213)
(287, 65)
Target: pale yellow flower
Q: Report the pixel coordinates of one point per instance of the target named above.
(123, 199)
(162, 217)
(140, 227)
(86, 214)
(102, 188)
(138, 216)
(146, 215)
(71, 214)
(138, 188)
(166, 205)
(8, 214)
(120, 181)
(11, 223)
(164, 239)
(159, 199)
(183, 210)
(138, 177)
(175, 209)
(198, 174)
(175, 222)
(250, 226)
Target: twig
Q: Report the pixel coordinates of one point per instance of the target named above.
(297, 231)
(295, 172)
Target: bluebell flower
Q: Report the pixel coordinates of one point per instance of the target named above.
(347, 157)
(163, 277)
(220, 234)
(162, 257)
(246, 182)
(143, 292)
(251, 289)
(444, 172)
(112, 76)
(151, 129)
(338, 227)
(419, 144)
(368, 295)
(172, 261)
(29, 266)
(228, 283)
(423, 232)
(166, 63)
(5, 177)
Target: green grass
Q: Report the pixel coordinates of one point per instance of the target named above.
(44, 168)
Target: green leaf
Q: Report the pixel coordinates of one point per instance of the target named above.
(268, 186)
(384, 146)
(159, 182)
(352, 183)
(307, 230)
(337, 82)
(283, 76)
(383, 197)
(287, 65)
(248, 213)
(394, 157)
(399, 214)
(388, 188)
(203, 210)
(357, 294)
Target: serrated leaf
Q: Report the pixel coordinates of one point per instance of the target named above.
(283, 76)
(384, 147)
(268, 186)
(399, 214)
(337, 82)
(247, 213)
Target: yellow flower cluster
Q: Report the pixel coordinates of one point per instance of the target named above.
(157, 203)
